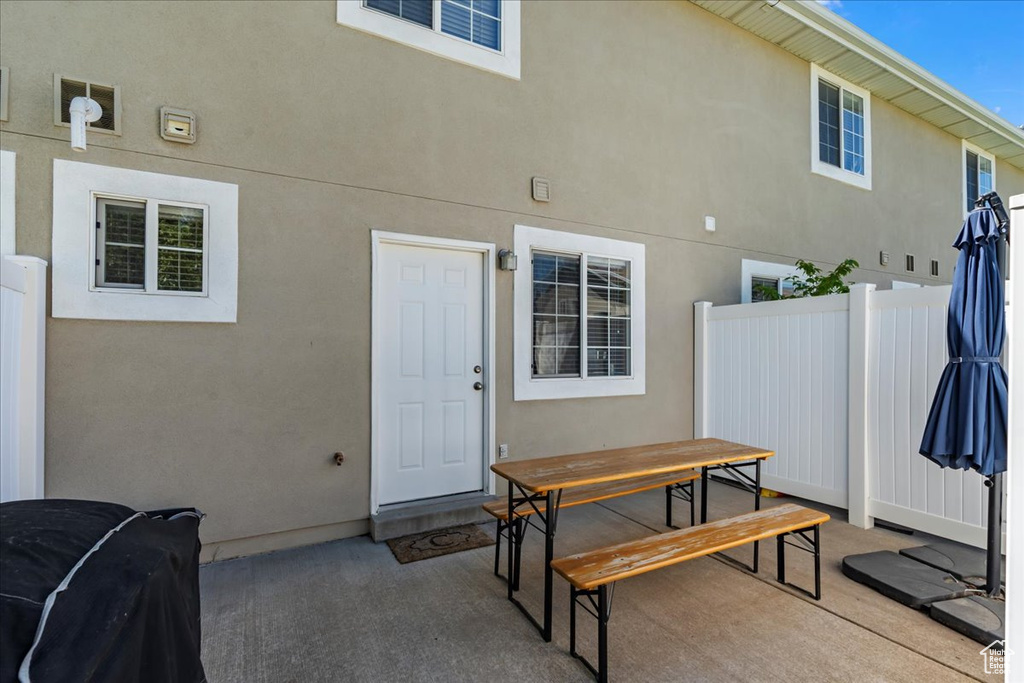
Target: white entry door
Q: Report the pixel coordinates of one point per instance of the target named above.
(429, 393)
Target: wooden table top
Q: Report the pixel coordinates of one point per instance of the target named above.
(566, 471)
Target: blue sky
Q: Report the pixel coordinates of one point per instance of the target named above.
(974, 45)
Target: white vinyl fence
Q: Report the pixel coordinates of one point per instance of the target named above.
(839, 387)
(22, 375)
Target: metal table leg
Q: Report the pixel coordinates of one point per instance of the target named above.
(516, 527)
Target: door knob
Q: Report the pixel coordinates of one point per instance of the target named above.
(478, 386)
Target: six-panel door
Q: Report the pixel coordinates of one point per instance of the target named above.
(430, 379)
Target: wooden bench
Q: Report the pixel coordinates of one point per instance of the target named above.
(677, 485)
(591, 573)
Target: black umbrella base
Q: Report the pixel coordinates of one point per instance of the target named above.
(903, 579)
(978, 617)
(965, 563)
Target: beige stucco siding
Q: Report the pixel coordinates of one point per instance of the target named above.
(645, 116)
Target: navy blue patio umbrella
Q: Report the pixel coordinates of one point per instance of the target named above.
(966, 427)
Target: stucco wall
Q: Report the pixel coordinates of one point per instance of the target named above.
(645, 116)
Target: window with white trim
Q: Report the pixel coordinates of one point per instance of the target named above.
(150, 246)
(840, 129)
(135, 245)
(579, 316)
(757, 274)
(482, 33)
(979, 174)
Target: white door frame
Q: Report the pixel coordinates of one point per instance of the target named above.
(487, 250)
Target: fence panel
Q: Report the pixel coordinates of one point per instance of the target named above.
(22, 376)
(905, 360)
(839, 387)
(777, 377)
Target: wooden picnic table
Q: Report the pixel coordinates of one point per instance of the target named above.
(542, 480)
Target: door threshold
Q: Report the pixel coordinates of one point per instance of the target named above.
(429, 514)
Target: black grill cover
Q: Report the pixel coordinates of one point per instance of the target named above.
(129, 613)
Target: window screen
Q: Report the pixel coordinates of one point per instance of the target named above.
(179, 249)
(556, 315)
(417, 11)
(828, 123)
(853, 133)
(979, 177)
(121, 253)
(756, 283)
(608, 317)
(478, 21)
(840, 142)
(972, 179)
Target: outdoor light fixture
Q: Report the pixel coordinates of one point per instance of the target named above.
(83, 110)
(507, 260)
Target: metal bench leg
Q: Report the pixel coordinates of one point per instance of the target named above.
(817, 562)
(572, 620)
(757, 506)
(602, 609)
(693, 504)
(703, 495)
(810, 545)
(780, 543)
(517, 548)
(497, 549)
(603, 612)
(668, 506)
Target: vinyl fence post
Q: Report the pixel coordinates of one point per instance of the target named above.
(858, 454)
(701, 363)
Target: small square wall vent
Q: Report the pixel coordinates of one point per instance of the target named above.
(107, 96)
(935, 268)
(541, 190)
(177, 125)
(910, 263)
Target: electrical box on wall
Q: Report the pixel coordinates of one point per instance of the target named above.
(177, 125)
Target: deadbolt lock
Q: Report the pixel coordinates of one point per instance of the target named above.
(477, 369)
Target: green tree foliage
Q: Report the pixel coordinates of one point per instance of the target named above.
(814, 281)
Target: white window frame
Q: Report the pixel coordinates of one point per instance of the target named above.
(354, 14)
(529, 388)
(152, 245)
(76, 188)
(817, 165)
(966, 147)
(749, 269)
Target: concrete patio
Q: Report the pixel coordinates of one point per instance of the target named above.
(347, 611)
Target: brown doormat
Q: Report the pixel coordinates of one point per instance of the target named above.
(422, 546)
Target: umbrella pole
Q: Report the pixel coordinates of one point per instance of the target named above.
(995, 534)
(995, 487)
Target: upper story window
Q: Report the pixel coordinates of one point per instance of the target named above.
(579, 316)
(841, 129)
(482, 33)
(134, 245)
(478, 21)
(979, 174)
